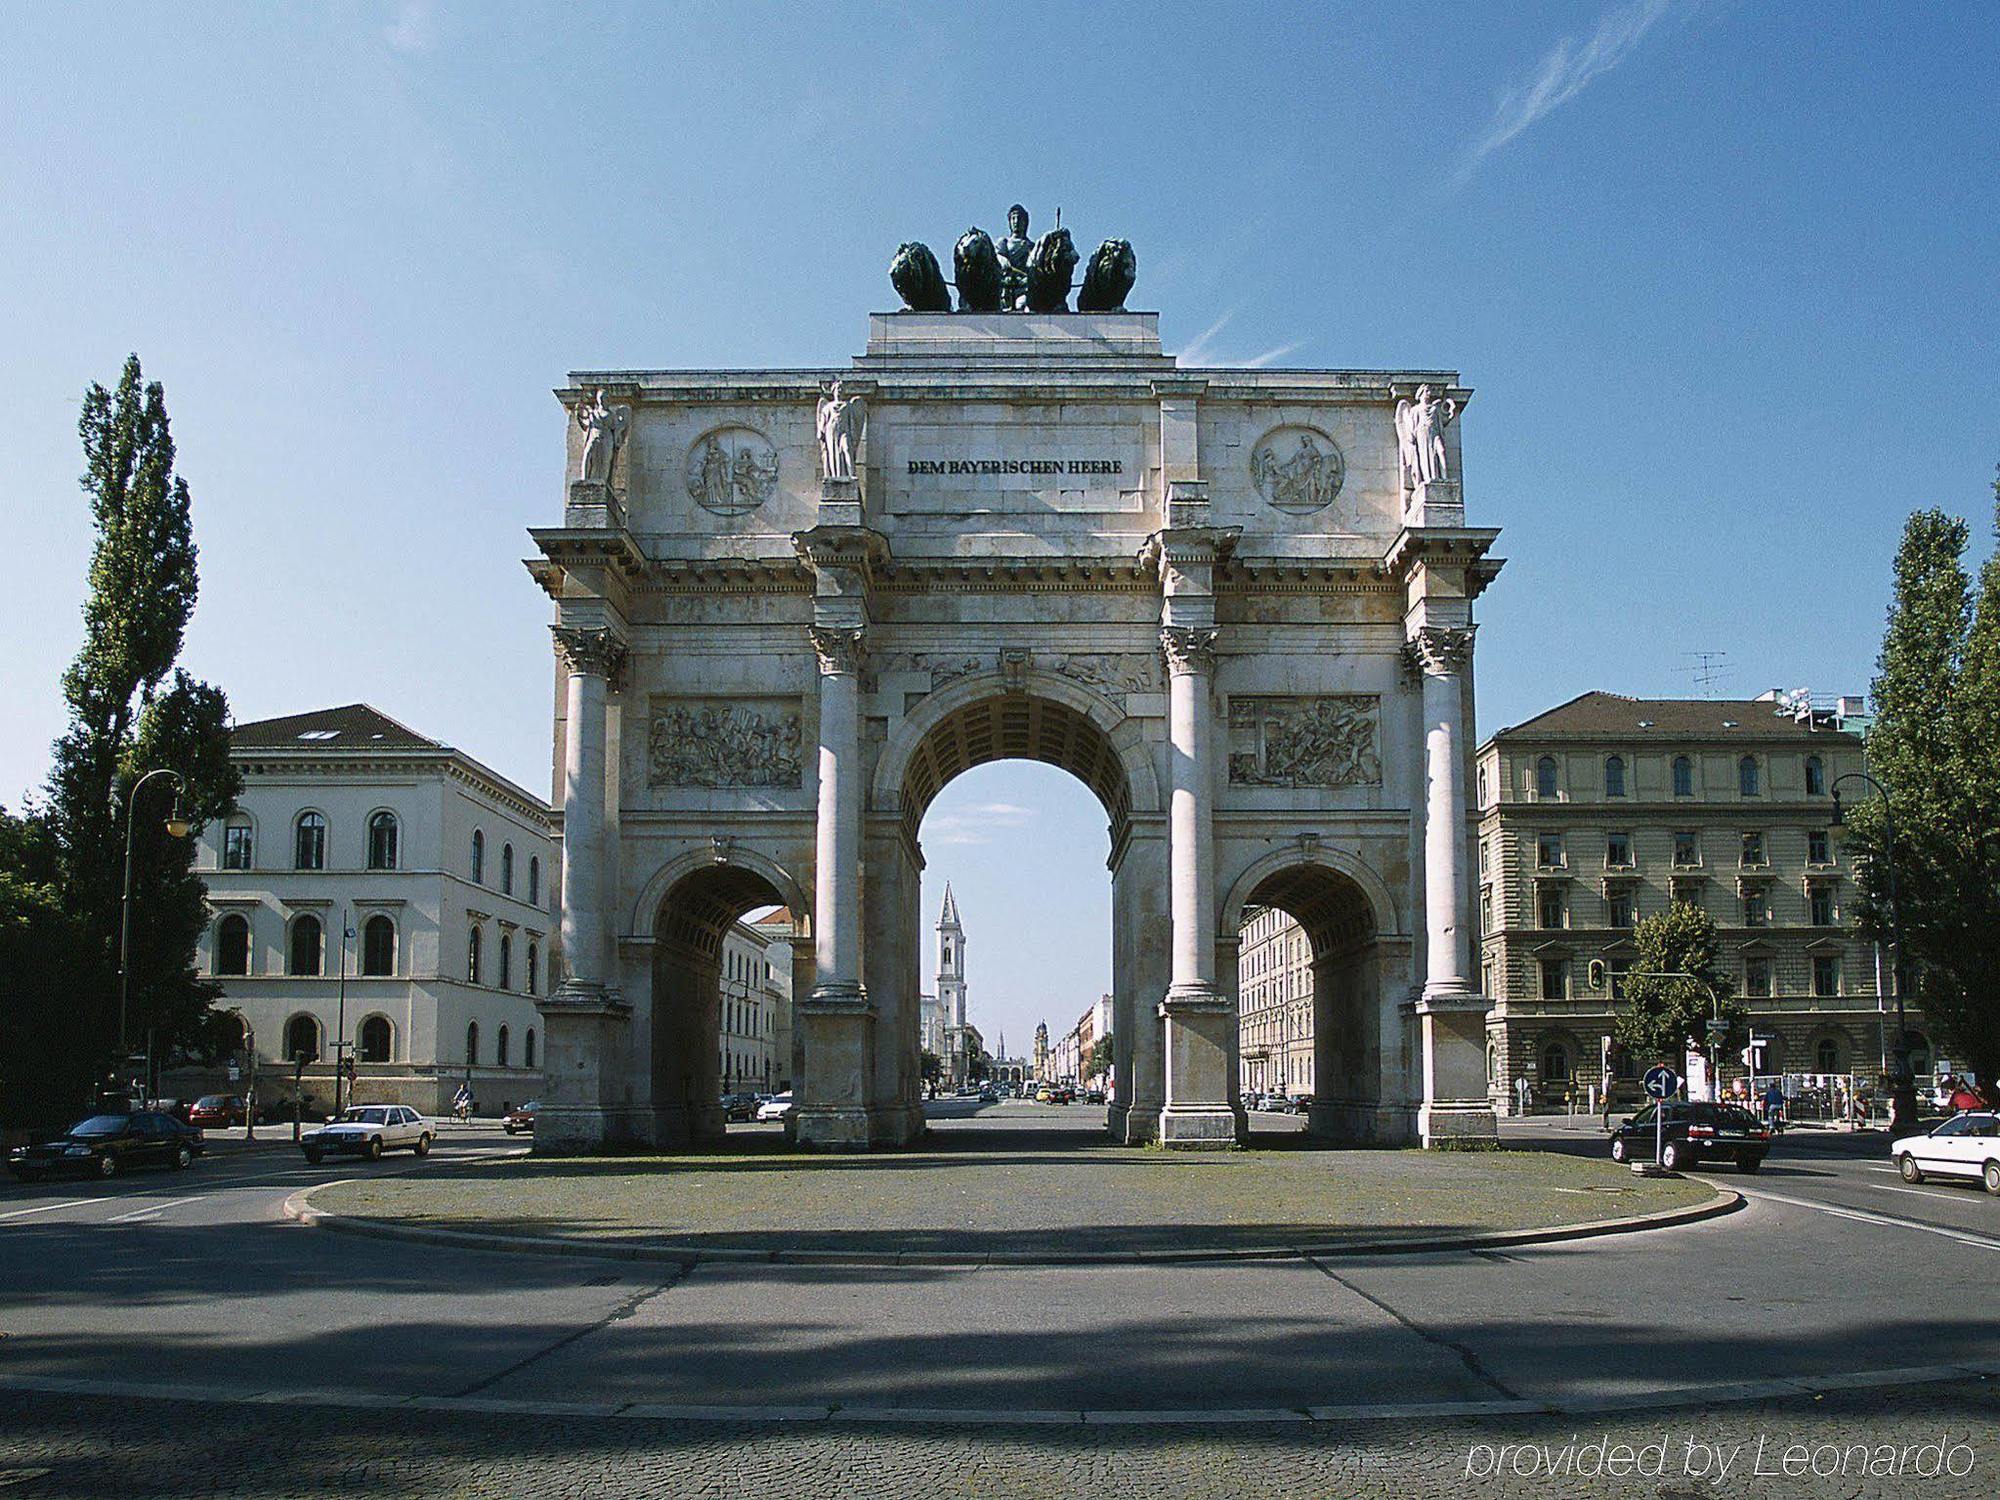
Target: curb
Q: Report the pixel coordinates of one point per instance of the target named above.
(1656, 1399)
(299, 1207)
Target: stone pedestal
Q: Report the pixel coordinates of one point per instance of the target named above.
(1435, 502)
(1455, 1106)
(831, 1105)
(840, 502)
(584, 1029)
(1201, 1038)
(592, 504)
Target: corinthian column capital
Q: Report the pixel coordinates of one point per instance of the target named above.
(1439, 651)
(839, 648)
(1188, 648)
(594, 652)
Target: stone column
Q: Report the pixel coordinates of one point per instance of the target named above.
(584, 1020)
(1200, 1021)
(1451, 1012)
(832, 1104)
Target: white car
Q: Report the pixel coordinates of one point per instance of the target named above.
(1966, 1145)
(369, 1130)
(775, 1108)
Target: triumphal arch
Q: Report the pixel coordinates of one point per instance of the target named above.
(793, 604)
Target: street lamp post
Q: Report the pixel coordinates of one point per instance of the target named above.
(1902, 1083)
(340, 1046)
(177, 827)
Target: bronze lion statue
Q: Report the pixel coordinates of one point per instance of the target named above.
(1051, 268)
(1108, 278)
(977, 266)
(915, 275)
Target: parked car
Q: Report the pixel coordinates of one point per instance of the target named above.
(1093, 1096)
(989, 1095)
(740, 1106)
(1967, 1146)
(776, 1107)
(1689, 1132)
(105, 1145)
(520, 1117)
(216, 1112)
(369, 1130)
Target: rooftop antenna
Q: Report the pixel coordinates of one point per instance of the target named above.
(1058, 216)
(1709, 669)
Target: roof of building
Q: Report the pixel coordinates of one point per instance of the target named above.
(1599, 715)
(950, 916)
(354, 725)
(777, 916)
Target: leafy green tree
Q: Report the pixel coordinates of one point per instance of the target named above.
(1099, 1061)
(1663, 1016)
(130, 712)
(1935, 744)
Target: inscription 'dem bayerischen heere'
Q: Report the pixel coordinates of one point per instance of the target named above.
(1017, 466)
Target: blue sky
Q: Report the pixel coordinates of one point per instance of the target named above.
(1722, 274)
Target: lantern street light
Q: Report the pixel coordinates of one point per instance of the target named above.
(1902, 1083)
(177, 827)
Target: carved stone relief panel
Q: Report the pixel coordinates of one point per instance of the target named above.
(1297, 469)
(943, 666)
(725, 742)
(732, 470)
(1111, 671)
(1325, 741)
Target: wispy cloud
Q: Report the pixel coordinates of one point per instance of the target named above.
(1565, 72)
(415, 27)
(1196, 353)
(977, 824)
(1271, 356)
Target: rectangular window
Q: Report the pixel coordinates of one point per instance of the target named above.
(1820, 899)
(1826, 976)
(1485, 910)
(1551, 906)
(1819, 850)
(1618, 850)
(1618, 906)
(1756, 907)
(1486, 978)
(1555, 978)
(1549, 851)
(1687, 848)
(1753, 849)
(236, 847)
(1757, 978)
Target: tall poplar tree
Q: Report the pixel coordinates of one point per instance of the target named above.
(1935, 744)
(130, 712)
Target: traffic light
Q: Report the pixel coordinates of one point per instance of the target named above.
(348, 1069)
(1596, 972)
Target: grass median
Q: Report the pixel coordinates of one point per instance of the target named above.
(1021, 1201)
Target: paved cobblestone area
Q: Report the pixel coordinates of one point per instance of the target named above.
(1013, 1192)
(93, 1446)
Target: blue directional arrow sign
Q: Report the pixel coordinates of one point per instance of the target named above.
(1662, 1082)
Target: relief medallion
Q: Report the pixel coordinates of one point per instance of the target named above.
(1298, 469)
(732, 470)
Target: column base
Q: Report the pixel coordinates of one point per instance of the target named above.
(1456, 1123)
(830, 1128)
(1200, 1036)
(1211, 1128)
(583, 1034)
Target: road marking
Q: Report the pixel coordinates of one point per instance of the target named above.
(1891, 1221)
(46, 1208)
(152, 1210)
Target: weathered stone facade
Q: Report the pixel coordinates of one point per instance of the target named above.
(1210, 595)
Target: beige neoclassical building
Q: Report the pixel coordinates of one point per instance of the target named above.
(1236, 604)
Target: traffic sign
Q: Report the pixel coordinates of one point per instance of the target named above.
(1661, 1081)
(1717, 1031)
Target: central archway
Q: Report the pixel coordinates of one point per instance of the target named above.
(1031, 716)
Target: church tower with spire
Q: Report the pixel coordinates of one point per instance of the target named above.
(951, 963)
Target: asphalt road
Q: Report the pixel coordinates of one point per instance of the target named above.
(194, 1283)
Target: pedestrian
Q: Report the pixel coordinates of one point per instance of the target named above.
(1774, 1104)
(1964, 1097)
(461, 1104)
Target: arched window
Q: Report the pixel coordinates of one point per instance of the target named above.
(232, 945)
(237, 843)
(478, 857)
(534, 880)
(1481, 778)
(1555, 1063)
(1545, 777)
(534, 962)
(474, 941)
(382, 835)
(1826, 1056)
(1614, 776)
(1746, 776)
(1683, 776)
(309, 842)
(1815, 776)
(528, 1049)
(506, 965)
(506, 869)
(378, 946)
(500, 1055)
(472, 1044)
(303, 954)
(301, 1038)
(376, 1038)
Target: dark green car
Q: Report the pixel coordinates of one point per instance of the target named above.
(105, 1145)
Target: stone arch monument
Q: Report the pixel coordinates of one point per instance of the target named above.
(789, 613)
